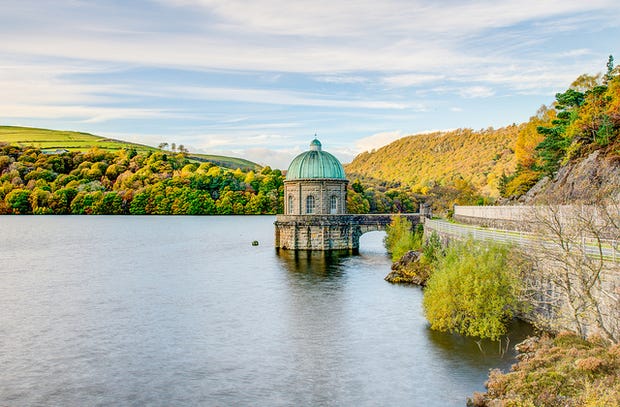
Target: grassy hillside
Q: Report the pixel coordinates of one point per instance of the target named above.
(226, 162)
(76, 141)
(58, 139)
(445, 158)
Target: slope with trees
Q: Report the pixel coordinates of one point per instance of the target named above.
(156, 182)
(569, 150)
(130, 182)
(456, 158)
(576, 154)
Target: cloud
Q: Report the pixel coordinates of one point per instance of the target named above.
(327, 37)
(413, 79)
(472, 92)
(280, 97)
(83, 114)
(377, 140)
(369, 19)
(340, 79)
(235, 70)
(266, 156)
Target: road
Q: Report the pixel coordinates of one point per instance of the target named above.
(610, 248)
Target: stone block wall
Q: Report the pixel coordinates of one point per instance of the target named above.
(549, 306)
(526, 218)
(296, 192)
(317, 233)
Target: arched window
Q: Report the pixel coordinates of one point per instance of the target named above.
(333, 204)
(290, 205)
(309, 204)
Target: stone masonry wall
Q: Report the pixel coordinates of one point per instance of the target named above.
(321, 189)
(550, 308)
(329, 232)
(318, 236)
(526, 218)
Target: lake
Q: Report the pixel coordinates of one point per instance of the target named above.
(184, 311)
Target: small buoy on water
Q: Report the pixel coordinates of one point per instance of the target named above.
(255, 243)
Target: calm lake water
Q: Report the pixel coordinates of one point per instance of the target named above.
(184, 311)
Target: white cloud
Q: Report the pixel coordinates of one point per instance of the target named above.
(368, 18)
(83, 114)
(476, 92)
(377, 140)
(276, 35)
(576, 52)
(341, 79)
(280, 97)
(271, 157)
(413, 79)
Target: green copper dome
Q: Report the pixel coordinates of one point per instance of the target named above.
(315, 163)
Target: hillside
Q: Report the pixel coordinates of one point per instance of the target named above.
(568, 151)
(126, 181)
(52, 140)
(573, 154)
(421, 161)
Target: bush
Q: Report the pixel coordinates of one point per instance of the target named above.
(473, 290)
(401, 237)
(561, 371)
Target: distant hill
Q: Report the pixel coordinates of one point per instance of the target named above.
(567, 152)
(51, 140)
(442, 158)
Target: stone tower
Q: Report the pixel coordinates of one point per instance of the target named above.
(315, 207)
(315, 184)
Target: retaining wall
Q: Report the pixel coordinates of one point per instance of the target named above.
(550, 307)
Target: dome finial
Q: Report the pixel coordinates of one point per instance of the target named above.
(315, 145)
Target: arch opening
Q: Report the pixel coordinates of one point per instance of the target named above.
(372, 242)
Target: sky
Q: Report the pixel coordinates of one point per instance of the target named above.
(258, 79)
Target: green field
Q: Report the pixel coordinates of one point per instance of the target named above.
(77, 141)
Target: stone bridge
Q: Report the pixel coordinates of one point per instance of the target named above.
(330, 232)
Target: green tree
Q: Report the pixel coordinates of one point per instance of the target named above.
(40, 200)
(473, 290)
(356, 203)
(553, 148)
(139, 203)
(61, 200)
(610, 69)
(18, 200)
(401, 237)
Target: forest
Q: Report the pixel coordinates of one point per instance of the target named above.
(469, 167)
(583, 119)
(98, 182)
(128, 182)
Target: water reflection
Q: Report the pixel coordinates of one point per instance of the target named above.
(478, 353)
(313, 265)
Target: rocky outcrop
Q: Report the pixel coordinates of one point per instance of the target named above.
(409, 270)
(587, 181)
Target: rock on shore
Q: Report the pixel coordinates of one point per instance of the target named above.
(409, 270)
